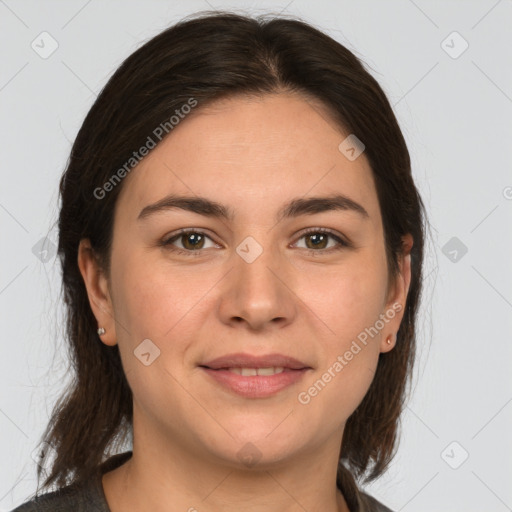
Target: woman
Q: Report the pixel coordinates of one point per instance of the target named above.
(241, 242)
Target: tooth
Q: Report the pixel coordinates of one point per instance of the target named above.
(270, 371)
(266, 371)
(251, 372)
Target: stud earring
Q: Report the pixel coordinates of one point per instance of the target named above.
(101, 331)
(388, 340)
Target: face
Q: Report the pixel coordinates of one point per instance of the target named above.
(307, 282)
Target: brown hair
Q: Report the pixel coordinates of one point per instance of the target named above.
(206, 57)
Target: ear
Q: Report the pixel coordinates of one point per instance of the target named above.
(397, 297)
(98, 292)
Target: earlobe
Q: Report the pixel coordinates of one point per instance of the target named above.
(389, 343)
(98, 293)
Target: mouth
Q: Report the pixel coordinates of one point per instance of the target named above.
(255, 376)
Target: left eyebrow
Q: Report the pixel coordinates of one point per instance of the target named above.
(294, 208)
(312, 205)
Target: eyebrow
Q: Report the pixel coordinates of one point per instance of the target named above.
(294, 208)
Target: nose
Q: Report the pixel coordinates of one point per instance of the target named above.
(258, 294)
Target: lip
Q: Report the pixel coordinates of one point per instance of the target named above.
(255, 386)
(241, 360)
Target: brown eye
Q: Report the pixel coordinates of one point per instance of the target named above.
(192, 240)
(187, 241)
(317, 240)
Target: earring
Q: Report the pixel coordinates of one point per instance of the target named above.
(388, 339)
(101, 331)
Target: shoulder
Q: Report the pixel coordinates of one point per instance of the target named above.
(370, 504)
(75, 498)
(85, 497)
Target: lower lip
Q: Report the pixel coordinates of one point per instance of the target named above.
(256, 386)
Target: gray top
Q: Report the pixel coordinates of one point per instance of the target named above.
(90, 497)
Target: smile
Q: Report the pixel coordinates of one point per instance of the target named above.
(255, 382)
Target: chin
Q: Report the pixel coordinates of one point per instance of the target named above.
(260, 447)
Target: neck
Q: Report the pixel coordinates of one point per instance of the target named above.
(177, 479)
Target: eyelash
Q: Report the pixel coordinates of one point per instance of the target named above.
(167, 243)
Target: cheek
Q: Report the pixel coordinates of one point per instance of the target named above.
(348, 298)
(153, 301)
(348, 354)
(348, 301)
(152, 297)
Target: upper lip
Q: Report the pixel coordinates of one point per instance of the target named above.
(241, 360)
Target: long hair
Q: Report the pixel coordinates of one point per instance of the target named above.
(206, 57)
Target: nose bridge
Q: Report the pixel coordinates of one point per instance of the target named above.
(256, 292)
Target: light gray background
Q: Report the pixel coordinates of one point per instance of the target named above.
(456, 115)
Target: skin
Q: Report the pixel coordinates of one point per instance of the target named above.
(252, 155)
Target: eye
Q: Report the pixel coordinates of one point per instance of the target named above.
(191, 240)
(317, 240)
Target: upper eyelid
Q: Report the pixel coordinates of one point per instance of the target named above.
(340, 239)
(186, 231)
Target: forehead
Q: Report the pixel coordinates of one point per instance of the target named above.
(249, 152)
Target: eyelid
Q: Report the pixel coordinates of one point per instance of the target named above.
(166, 241)
(342, 241)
